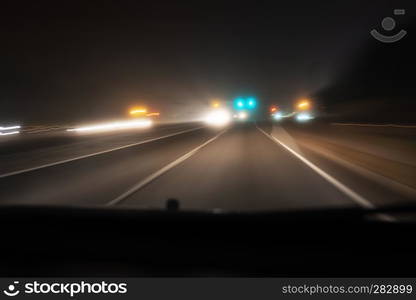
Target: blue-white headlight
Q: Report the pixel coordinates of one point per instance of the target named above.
(303, 117)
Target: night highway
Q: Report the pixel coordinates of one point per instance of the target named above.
(238, 167)
(207, 139)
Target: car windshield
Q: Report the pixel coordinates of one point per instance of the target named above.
(216, 106)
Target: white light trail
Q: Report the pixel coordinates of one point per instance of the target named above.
(114, 126)
(10, 130)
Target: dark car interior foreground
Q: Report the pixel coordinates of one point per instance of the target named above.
(107, 242)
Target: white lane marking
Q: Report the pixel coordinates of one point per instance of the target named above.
(96, 153)
(374, 125)
(161, 171)
(399, 187)
(340, 186)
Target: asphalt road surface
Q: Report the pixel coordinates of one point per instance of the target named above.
(241, 167)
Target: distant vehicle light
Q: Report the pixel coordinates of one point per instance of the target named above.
(215, 104)
(303, 117)
(137, 111)
(242, 115)
(277, 116)
(114, 126)
(218, 118)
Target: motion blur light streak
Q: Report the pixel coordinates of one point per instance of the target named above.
(156, 114)
(137, 110)
(374, 125)
(277, 116)
(303, 117)
(10, 130)
(218, 118)
(114, 126)
(9, 133)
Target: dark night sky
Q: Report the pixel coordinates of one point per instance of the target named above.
(70, 61)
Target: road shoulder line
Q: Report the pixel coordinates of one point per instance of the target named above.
(360, 200)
